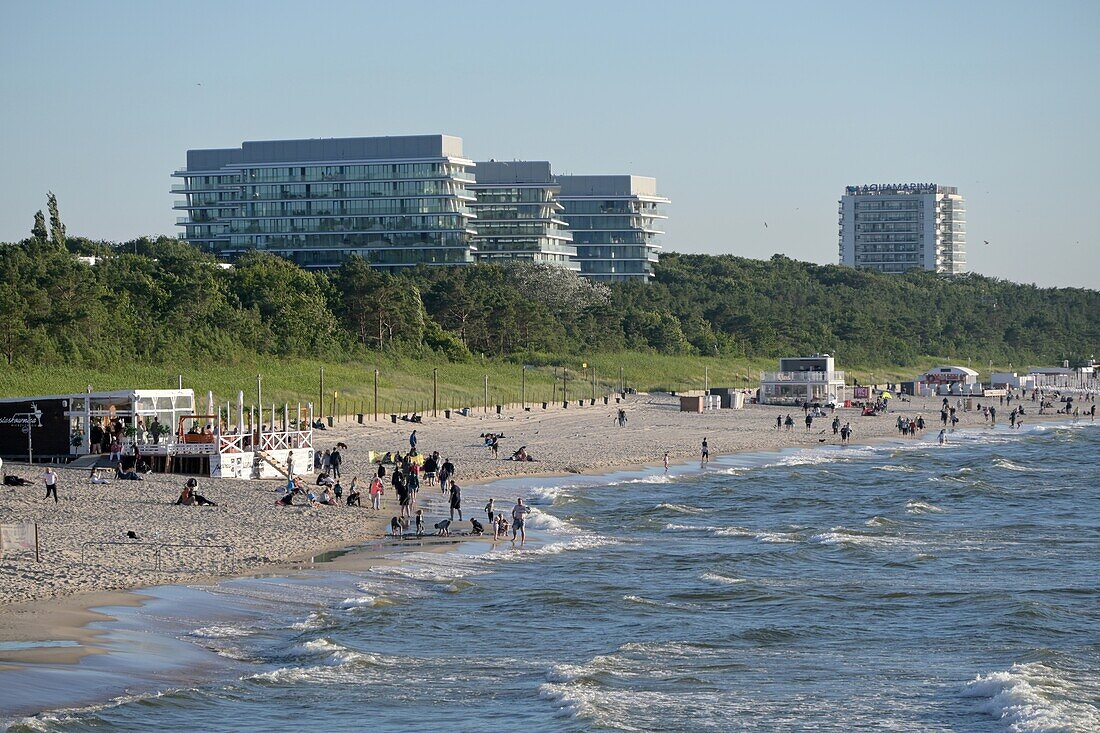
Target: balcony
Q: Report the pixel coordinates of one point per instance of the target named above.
(802, 377)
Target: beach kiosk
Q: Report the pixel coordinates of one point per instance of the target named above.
(957, 380)
(165, 427)
(812, 379)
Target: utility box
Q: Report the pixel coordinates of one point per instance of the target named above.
(691, 403)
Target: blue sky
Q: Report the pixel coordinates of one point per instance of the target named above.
(745, 112)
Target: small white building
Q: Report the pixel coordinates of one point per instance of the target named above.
(803, 379)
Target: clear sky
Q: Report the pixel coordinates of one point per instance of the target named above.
(745, 112)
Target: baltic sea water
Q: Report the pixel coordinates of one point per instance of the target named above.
(905, 586)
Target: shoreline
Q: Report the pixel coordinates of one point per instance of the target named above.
(67, 617)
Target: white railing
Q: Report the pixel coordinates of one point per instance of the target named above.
(804, 377)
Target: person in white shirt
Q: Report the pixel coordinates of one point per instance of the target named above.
(51, 483)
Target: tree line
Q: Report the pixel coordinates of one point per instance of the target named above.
(162, 301)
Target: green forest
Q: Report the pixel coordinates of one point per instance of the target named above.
(162, 302)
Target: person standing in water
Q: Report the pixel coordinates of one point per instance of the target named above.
(943, 436)
(519, 515)
(666, 461)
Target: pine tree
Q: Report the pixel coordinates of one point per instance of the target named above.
(57, 229)
(38, 231)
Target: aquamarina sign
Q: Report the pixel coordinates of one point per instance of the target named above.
(892, 188)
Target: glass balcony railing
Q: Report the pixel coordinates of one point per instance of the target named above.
(802, 377)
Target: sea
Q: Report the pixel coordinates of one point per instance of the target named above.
(905, 586)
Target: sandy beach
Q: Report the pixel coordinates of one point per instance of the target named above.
(248, 533)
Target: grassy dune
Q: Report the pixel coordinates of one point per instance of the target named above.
(405, 384)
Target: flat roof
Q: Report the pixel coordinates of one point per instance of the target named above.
(105, 395)
(324, 150)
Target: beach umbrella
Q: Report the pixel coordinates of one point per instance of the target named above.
(887, 396)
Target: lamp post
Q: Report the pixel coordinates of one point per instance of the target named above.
(35, 417)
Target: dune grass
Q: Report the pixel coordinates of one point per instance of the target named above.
(406, 384)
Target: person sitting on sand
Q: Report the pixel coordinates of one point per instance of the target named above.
(500, 526)
(353, 493)
(127, 475)
(97, 479)
(522, 455)
(327, 498)
(190, 497)
(476, 527)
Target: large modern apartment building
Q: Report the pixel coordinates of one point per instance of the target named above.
(405, 201)
(614, 224)
(894, 228)
(396, 201)
(519, 215)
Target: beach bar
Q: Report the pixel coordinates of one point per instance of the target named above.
(803, 379)
(163, 427)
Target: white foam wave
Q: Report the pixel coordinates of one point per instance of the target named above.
(681, 508)
(1010, 466)
(1033, 698)
(539, 519)
(654, 479)
(722, 579)
(314, 620)
(673, 527)
(642, 601)
(895, 467)
(921, 507)
(842, 536)
(219, 632)
(545, 494)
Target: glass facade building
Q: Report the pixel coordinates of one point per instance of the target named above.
(614, 222)
(894, 228)
(396, 201)
(519, 215)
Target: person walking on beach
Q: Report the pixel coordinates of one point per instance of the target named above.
(836, 425)
(456, 501)
(809, 421)
(446, 473)
(789, 423)
(845, 433)
(705, 455)
(778, 422)
(666, 461)
(519, 515)
(412, 441)
(335, 460)
(50, 477)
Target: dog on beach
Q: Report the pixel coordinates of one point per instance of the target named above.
(443, 528)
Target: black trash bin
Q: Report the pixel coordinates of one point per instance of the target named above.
(393, 419)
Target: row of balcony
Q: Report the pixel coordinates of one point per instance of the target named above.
(802, 377)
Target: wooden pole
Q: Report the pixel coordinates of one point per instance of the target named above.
(376, 395)
(321, 391)
(435, 391)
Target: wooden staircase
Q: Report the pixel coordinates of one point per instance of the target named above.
(263, 456)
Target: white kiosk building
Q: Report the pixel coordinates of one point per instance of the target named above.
(812, 379)
(166, 429)
(951, 380)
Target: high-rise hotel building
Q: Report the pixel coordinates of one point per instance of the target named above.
(396, 201)
(519, 215)
(895, 228)
(614, 223)
(405, 201)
